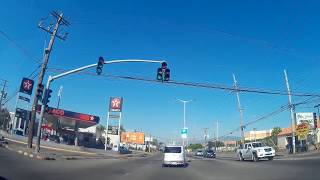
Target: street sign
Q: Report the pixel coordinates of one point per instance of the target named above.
(26, 86)
(113, 130)
(24, 98)
(115, 104)
(184, 133)
(302, 131)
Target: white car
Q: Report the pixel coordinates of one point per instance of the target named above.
(199, 153)
(255, 151)
(174, 155)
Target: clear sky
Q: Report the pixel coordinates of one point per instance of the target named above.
(203, 41)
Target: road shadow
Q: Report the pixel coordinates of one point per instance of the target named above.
(3, 178)
(177, 166)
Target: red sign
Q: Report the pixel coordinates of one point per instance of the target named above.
(26, 86)
(115, 104)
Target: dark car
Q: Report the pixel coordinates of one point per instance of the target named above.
(209, 154)
(54, 138)
(124, 150)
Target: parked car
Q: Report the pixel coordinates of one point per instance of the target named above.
(209, 154)
(255, 151)
(124, 150)
(174, 155)
(54, 138)
(199, 153)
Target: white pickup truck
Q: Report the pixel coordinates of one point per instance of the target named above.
(255, 151)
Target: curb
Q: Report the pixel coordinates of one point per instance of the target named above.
(30, 155)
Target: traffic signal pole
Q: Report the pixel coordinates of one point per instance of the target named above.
(52, 78)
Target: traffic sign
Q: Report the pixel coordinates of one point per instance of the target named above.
(184, 133)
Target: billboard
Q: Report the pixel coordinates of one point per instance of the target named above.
(26, 86)
(148, 139)
(306, 117)
(132, 137)
(302, 131)
(115, 104)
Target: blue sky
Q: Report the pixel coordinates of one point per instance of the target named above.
(203, 41)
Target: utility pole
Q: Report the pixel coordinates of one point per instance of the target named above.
(239, 108)
(205, 133)
(3, 93)
(217, 134)
(293, 123)
(47, 51)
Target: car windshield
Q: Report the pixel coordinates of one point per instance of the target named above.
(172, 150)
(255, 145)
(128, 89)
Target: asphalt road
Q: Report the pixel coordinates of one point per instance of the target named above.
(15, 166)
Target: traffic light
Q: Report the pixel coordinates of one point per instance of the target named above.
(164, 65)
(159, 74)
(166, 75)
(40, 91)
(100, 65)
(163, 73)
(47, 96)
(46, 108)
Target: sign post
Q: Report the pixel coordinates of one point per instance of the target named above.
(114, 112)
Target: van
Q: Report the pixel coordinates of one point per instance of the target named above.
(174, 155)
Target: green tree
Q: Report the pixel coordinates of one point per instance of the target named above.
(100, 130)
(212, 144)
(195, 146)
(274, 134)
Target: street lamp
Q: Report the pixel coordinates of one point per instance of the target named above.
(184, 115)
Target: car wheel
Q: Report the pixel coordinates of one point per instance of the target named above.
(241, 157)
(255, 157)
(164, 165)
(270, 158)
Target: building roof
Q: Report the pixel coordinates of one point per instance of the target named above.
(285, 131)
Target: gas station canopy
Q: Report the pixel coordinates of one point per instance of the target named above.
(69, 119)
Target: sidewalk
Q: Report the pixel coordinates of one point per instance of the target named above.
(54, 151)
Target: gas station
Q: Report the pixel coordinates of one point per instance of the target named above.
(65, 125)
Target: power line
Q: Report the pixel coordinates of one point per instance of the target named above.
(23, 50)
(200, 85)
(273, 113)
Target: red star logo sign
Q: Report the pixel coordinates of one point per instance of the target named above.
(27, 85)
(115, 103)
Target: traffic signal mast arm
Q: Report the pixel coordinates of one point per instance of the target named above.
(105, 62)
(51, 78)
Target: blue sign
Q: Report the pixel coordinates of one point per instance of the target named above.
(184, 132)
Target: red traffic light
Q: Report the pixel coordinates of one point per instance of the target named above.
(164, 65)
